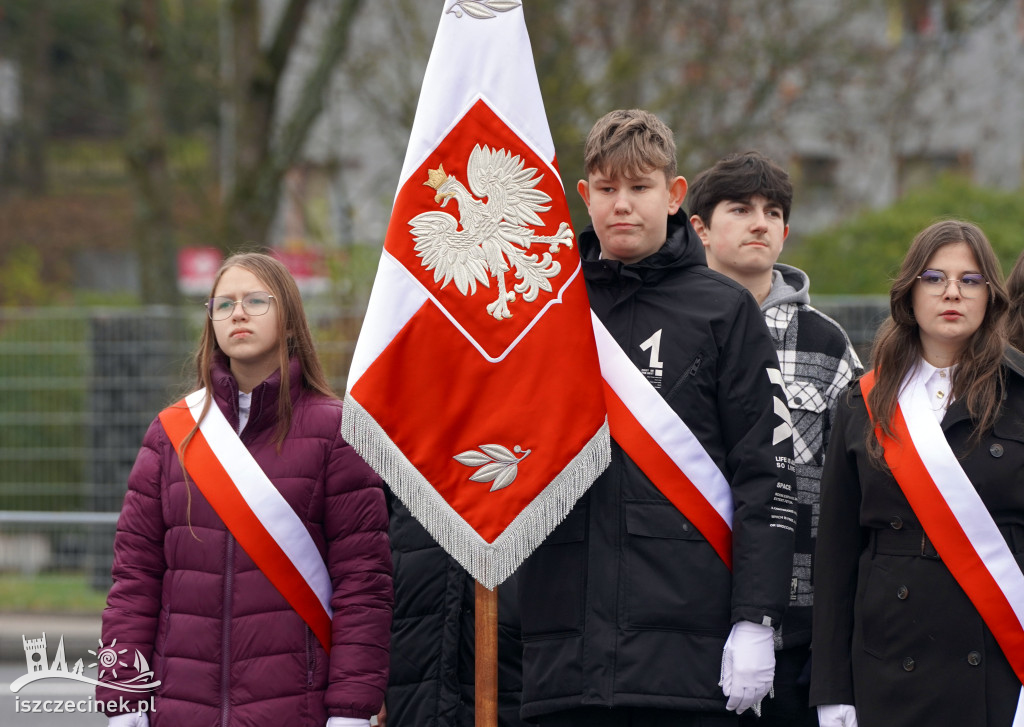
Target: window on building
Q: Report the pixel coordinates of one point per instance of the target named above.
(928, 18)
(815, 177)
(921, 170)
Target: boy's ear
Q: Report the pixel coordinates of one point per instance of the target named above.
(583, 187)
(676, 193)
(700, 228)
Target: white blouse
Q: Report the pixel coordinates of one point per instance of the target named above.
(938, 383)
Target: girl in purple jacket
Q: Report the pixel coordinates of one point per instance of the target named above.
(224, 594)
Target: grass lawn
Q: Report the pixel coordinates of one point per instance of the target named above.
(49, 593)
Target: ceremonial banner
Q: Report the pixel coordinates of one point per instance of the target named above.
(475, 389)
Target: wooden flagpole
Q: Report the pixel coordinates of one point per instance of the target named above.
(486, 620)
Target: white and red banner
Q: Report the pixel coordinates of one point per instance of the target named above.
(956, 520)
(253, 509)
(475, 388)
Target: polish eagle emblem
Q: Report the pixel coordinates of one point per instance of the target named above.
(490, 238)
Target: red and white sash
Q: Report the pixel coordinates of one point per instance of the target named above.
(663, 447)
(252, 508)
(955, 519)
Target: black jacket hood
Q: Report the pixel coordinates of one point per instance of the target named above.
(682, 248)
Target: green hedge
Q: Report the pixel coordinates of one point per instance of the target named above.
(863, 254)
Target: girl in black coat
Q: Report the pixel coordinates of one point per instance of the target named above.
(897, 639)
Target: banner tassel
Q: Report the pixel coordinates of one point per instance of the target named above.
(489, 563)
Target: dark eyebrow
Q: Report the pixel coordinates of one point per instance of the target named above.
(641, 178)
(940, 270)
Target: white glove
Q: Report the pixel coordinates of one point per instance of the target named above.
(837, 715)
(347, 722)
(130, 719)
(748, 666)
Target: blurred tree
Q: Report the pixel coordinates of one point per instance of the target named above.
(568, 101)
(146, 151)
(146, 71)
(862, 255)
(264, 145)
(720, 72)
(724, 74)
(29, 34)
(70, 67)
(37, 86)
(249, 78)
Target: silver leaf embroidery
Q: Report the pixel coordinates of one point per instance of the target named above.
(482, 9)
(498, 453)
(472, 458)
(497, 464)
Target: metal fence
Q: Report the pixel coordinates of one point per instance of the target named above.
(860, 315)
(78, 388)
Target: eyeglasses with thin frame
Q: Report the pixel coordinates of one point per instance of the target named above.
(255, 304)
(970, 285)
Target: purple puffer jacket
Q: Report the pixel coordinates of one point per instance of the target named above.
(223, 642)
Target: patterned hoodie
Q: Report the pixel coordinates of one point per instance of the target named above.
(818, 362)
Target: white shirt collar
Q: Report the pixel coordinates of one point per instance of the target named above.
(939, 385)
(244, 404)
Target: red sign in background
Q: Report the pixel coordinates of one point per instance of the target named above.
(197, 267)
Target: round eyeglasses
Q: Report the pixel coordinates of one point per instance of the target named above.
(255, 304)
(970, 285)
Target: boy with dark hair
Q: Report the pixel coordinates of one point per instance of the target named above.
(740, 209)
(629, 614)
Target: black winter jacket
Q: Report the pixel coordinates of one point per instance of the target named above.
(432, 635)
(625, 603)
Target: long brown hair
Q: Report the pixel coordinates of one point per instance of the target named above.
(897, 348)
(1015, 289)
(293, 335)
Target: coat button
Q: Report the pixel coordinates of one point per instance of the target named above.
(996, 450)
(798, 400)
(902, 593)
(908, 664)
(896, 522)
(974, 658)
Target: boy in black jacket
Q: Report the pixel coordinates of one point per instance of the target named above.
(629, 615)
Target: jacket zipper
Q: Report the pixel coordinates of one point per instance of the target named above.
(225, 641)
(689, 372)
(310, 657)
